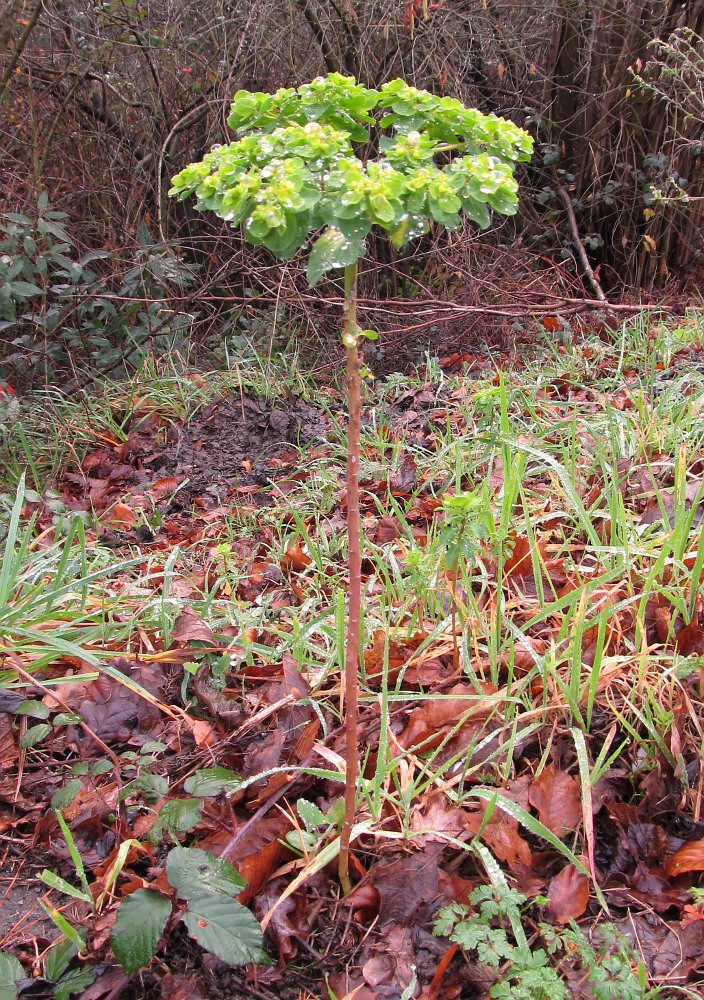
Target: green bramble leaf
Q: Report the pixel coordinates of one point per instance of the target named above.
(176, 816)
(191, 872)
(35, 734)
(73, 982)
(11, 974)
(139, 924)
(65, 796)
(211, 781)
(58, 958)
(225, 928)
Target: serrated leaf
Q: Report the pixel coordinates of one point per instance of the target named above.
(65, 796)
(139, 924)
(34, 735)
(75, 981)
(312, 816)
(177, 816)
(193, 872)
(32, 708)
(211, 781)
(153, 788)
(225, 928)
(11, 973)
(58, 958)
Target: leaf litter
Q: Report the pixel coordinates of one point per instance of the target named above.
(222, 697)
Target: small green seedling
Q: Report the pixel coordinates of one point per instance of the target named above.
(490, 931)
(332, 160)
(463, 531)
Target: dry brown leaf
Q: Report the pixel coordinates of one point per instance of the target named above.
(162, 487)
(387, 530)
(437, 815)
(122, 515)
(287, 920)
(398, 655)
(189, 627)
(519, 562)
(502, 838)
(690, 640)
(405, 885)
(689, 858)
(295, 559)
(181, 988)
(428, 720)
(556, 796)
(568, 895)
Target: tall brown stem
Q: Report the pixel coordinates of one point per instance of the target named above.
(30, 25)
(354, 620)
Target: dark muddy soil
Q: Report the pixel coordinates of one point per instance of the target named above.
(21, 916)
(234, 440)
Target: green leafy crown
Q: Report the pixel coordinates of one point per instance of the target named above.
(296, 167)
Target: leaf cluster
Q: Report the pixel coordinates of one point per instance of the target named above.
(305, 160)
(207, 885)
(490, 930)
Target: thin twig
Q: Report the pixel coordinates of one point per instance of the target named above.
(581, 252)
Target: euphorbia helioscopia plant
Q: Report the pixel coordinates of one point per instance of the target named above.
(330, 160)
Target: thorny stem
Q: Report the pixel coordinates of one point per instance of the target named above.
(354, 621)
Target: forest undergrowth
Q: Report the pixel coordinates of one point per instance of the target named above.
(172, 612)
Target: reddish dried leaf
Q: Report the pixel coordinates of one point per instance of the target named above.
(667, 502)
(680, 953)
(690, 914)
(257, 853)
(109, 984)
(349, 987)
(181, 988)
(405, 885)
(364, 900)
(502, 838)
(189, 627)
(162, 487)
(519, 562)
(437, 815)
(399, 653)
(568, 896)
(8, 744)
(387, 530)
(553, 324)
(391, 966)
(428, 720)
(404, 480)
(690, 640)
(287, 920)
(295, 560)
(122, 515)
(423, 509)
(556, 796)
(113, 710)
(689, 858)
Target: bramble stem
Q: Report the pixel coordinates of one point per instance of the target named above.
(354, 621)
